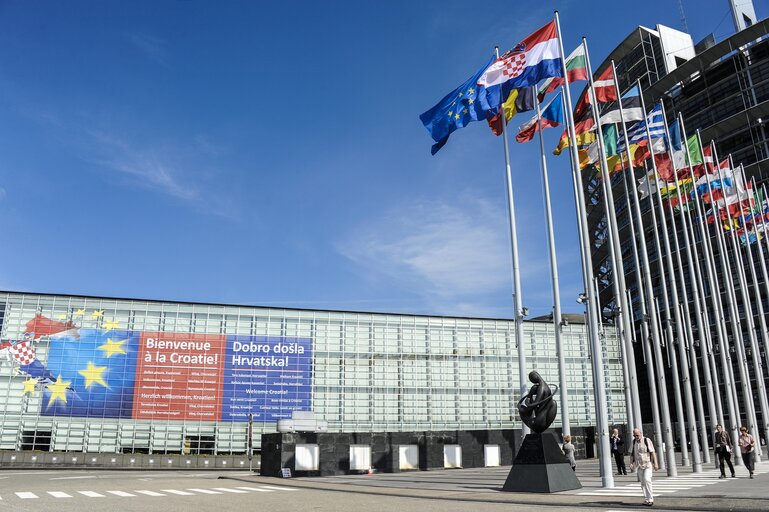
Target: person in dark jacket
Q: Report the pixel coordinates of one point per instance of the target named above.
(616, 443)
(723, 446)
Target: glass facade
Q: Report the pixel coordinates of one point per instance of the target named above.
(89, 374)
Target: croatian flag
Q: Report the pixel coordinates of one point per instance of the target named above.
(534, 59)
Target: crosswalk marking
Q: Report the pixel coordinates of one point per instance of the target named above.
(204, 491)
(122, 494)
(24, 495)
(150, 493)
(59, 494)
(180, 493)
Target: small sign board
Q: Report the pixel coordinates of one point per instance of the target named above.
(286, 472)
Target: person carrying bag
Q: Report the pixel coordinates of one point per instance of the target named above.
(723, 446)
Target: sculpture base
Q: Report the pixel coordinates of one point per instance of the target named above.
(541, 466)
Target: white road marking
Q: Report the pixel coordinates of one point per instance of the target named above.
(226, 489)
(279, 488)
(91, 494)
(204, 491)
(26, 495)
(150, 493)
(122, 494)
(257, 489)
(59, 494)
(180, 493)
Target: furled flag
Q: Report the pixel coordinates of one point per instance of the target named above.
(460, 107)
(631, 108)
(576, 70)
(518, 100)
(552, 116)
(535, 58)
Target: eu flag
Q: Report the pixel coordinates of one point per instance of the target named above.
(468, 102)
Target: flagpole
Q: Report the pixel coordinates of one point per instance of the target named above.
(694, 285)
(734, 318)
(718, 309)
(517, 302)
(645, 335)
(602, 418)
(618, 273)
(685, 377)
(766, 282)
(557, 323)
(757, 366)
(665, 437)
(747, 307)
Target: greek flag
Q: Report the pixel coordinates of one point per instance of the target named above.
(637, 133)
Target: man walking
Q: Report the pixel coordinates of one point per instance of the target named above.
(644, 458)
(723, 446)
(616, 443)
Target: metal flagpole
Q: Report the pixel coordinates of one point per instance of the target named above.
(766, 279)
(618, 268)
(734, 318)
(695, 288)
(713, 283)
(673, 340)
(517, 302)
(702, 439)
(645, 336)
(557, 324)
(757, 366)
(747, 307)
(602, 418)
(665, 437)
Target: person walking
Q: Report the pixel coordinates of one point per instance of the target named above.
(568, 450)
(616, 443)
(644, 459)
(748, 449)
(723, 446)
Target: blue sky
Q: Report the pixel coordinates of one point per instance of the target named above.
(270, 153)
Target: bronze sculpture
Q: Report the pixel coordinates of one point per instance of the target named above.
(537, 408)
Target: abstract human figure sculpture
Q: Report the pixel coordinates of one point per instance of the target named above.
(537, 408)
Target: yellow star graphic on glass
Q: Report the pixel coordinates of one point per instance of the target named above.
(93, 375)
(97, 314)
(456, 116)
(80, 312)
(460, 94)
(470, 101)
(112, 348)
(58, 390)
(451, 113)
(29, 386)
(465, 111)
(63, 316)
(108, 325)
(471, 91)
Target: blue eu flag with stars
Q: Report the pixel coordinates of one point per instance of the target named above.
(468, 102)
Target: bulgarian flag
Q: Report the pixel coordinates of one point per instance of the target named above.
(552, 116)
(576, 69)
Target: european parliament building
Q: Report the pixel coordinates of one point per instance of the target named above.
(94, 375)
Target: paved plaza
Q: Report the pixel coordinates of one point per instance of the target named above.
(687, 491)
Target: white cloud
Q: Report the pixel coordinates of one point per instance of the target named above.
(447, 253)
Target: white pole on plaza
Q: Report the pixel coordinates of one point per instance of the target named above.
(557, 324)
(602, 418)
(517, 301)
(645, 335)
(618, 269)
(695, 287)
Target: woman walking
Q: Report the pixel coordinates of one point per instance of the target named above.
(748, 449)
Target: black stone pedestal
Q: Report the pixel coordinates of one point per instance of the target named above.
(541, 466)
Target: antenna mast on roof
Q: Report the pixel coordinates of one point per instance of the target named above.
(683, 16)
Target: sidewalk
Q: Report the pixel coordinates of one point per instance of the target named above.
(688, 491)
